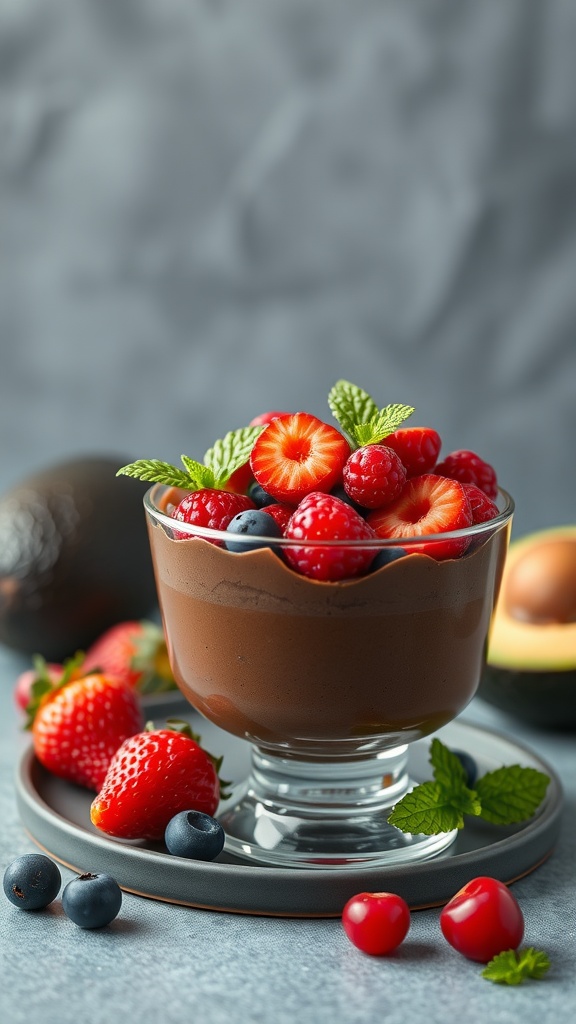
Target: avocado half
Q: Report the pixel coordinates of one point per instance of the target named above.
(74, 557)
(531, 660)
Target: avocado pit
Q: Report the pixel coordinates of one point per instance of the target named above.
(541, 585)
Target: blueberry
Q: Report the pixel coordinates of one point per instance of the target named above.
(385, 556)
(32, 881)
(255, 523)
(469, 765)
(259, 496)
(92, 900)
(194, 834)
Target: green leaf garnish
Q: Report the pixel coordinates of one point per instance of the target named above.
(502, 797)
(220, 462)
(512, 967)
(360, 417)
(512, 794)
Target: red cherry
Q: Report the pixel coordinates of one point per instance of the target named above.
(376, 922)
(482, 920)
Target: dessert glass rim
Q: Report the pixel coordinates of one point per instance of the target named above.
(506, 510)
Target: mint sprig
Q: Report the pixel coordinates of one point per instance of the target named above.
(512, 967)
(503, 797)
(220, 462)
(359, 416)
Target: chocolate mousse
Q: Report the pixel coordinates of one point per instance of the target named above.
(324, 669)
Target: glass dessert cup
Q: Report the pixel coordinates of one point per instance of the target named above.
(328, 682)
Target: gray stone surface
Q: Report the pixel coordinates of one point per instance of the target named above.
(213, 207)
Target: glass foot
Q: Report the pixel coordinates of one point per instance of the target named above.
(291, 813)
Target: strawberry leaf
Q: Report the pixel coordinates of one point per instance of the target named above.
(513, 967)
(511, 794)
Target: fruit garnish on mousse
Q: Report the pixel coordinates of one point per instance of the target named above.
(330, 610)
(369, 477)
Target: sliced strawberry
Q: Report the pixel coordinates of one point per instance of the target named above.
(428, 504)
(417, 447)
(297, 454)
(242, 477)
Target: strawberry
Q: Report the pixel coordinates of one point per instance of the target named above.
(43, 675)
(428, 504)
(323, 517)
(78, 725)
(210, 508)
(297, 454)
(417, 447)
(152, 777)
(134, 652)
(373, 476)
(481, 506)
(242, 477)
(469, 468)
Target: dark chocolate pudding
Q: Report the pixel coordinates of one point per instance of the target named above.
(326, 669)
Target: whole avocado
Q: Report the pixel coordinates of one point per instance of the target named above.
(74, 557)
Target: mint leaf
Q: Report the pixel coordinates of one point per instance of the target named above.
(426, 810)
(513, 967)
(156, 472)
(351, 405)
(511, 794)
(447, 767)
(228, 454)
(220, 461)
(360, 417)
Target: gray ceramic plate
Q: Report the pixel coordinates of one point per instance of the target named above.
(56, 814)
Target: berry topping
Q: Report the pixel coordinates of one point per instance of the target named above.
(297, 454)
(252, 523)
(32, 881)
(195, 835)
(210, 508)
(482, 507)
(92, 900)
(428, 504)
(469, 468)
(373, 476)
(417, 447)
(322, 517)
(281, 513)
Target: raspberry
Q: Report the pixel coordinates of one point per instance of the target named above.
(210, 508)
(373, 476)
(280, 512)
(482, 507)
(469, 468)
(323, 517)
(417, 447)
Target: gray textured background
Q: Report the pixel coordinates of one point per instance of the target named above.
(213, 207)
